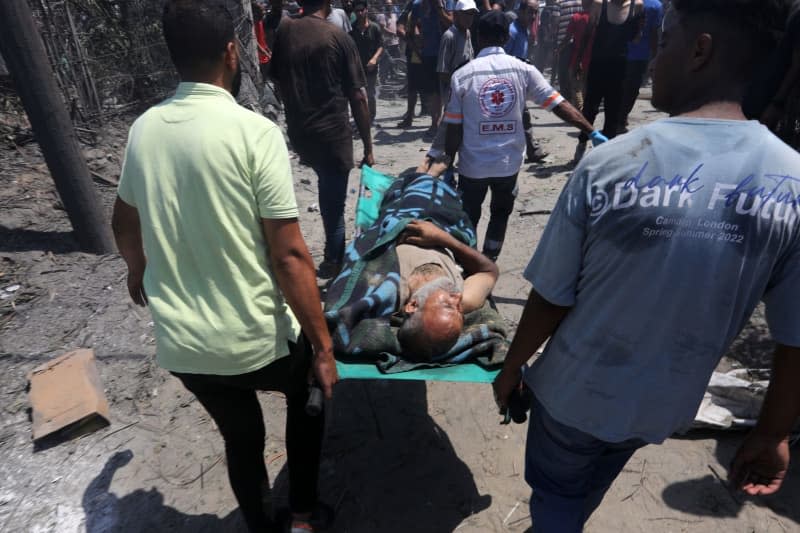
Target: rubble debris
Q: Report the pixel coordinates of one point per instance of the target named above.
(730, 401)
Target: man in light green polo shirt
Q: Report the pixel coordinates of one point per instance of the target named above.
(206, 220)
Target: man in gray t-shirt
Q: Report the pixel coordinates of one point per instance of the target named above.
(658, 251)
(455, 47)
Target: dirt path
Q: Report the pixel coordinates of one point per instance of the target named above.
(399, 457)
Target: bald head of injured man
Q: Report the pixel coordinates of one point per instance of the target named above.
(441, 279)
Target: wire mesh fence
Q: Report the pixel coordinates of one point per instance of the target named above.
(109, 56)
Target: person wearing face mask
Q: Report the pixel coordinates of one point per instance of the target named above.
(206, 221)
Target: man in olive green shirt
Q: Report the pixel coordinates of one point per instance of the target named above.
(206, 220)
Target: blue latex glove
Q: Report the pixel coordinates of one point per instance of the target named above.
(598, 138)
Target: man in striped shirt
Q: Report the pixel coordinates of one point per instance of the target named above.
(484, 125)
(566, 8)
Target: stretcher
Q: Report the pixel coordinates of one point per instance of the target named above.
(372, 186)
(463, 373)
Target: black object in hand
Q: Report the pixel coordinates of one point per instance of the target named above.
(315, 401)
(519, 403)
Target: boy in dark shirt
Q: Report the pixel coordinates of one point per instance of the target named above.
(369, 41)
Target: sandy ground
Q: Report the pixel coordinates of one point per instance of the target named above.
(398, 457)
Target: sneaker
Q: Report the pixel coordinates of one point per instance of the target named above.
(537, 155)
(430, 133)
(533, 150)
(299, 526)
(321, 519)
(328, 269)
(407, 122)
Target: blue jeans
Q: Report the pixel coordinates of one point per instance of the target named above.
(569, 472)
(332, 188)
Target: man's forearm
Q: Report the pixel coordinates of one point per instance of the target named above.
(567, 112)
(360, 109)
(452, 140)
(294, 273)
(790, 80)
(128, 235)
(377, 55)
(445, 18)
(471, 260)
(781, 407)
(131, 250)
(539, 321)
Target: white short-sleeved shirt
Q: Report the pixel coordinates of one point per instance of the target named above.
(662, 243)
(488, 97)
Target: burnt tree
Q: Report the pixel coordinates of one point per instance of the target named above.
(27, 62)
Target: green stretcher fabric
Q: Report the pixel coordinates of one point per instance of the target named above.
(464, 373)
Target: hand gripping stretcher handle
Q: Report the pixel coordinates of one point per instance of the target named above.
(315, 400)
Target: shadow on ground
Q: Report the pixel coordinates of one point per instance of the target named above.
(384, 137)
(388, 467)
(143, 510)
(25, 240)
(544, 171)
(711, 496)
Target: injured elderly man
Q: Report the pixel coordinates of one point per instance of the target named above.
(413, 289)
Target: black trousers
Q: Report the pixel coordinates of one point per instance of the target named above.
(604, 84)
(232, 403)
(564, 79)
(634, 77)
(504, 193)
(372, 83)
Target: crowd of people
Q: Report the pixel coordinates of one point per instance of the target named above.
(661, 244)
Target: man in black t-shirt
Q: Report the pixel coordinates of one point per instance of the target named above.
(319, 72)
(369, 41)
(772, 97)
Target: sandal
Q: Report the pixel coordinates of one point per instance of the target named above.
(301, 526)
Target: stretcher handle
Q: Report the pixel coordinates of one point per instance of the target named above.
(315, 401)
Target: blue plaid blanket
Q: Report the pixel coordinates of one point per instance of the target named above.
(362, 300)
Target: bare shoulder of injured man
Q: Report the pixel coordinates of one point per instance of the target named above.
(442, 279)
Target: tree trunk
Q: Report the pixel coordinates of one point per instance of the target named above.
(27, 62)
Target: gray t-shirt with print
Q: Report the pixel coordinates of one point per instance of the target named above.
(662, 243)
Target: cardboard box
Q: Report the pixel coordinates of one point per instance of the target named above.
(67, 396)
